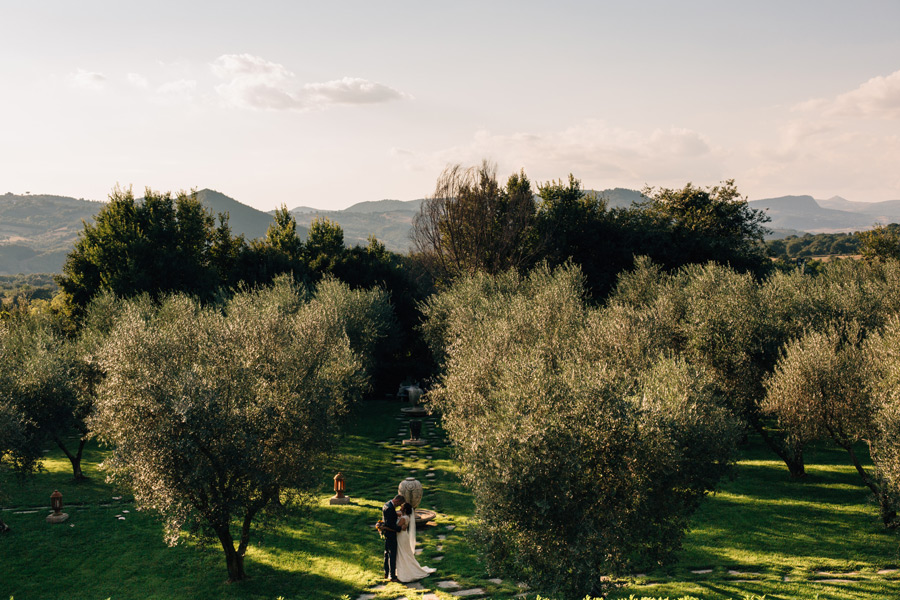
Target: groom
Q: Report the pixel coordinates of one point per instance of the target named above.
(390, 530)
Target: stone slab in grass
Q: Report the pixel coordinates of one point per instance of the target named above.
(430, 597)
(496, 580)
(449, 584)
(442, 537)
(745, 573)
(415, 585)
(366, 596)
(701, 571)
(437, 559)
(449, 527)
(887, 571)
(429, 475)
(466, 593)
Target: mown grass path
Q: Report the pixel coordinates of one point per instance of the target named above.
(762, 534)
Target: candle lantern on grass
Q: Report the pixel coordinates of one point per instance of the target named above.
(339, 487)
(58, 516)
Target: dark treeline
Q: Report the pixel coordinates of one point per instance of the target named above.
(472, 223)
(818, 244)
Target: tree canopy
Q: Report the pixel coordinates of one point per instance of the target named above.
(209, 413)
(579, 468)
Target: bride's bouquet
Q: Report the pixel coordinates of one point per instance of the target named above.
(379, 527)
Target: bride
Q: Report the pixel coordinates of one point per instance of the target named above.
(408, 568)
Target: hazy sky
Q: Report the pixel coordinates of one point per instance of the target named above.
(330, 103)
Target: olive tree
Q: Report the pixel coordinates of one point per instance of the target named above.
(820, 390)
(579, 468)
(39, 373)
(209, 413)
(883, 360)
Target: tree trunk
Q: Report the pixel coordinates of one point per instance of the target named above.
(792, 457)
(885, 502)
(234, 560)
(75, 459)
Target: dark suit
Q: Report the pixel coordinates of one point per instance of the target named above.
(389, 516)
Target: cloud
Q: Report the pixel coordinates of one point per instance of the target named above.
(878, 98)
(594, 151)
(87, 80)
(181, 90)
(138, 81)
(351, 90)
(255, 83)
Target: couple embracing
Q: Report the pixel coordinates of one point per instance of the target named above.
(399, 532)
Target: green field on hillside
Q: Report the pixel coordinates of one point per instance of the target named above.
(761, 534)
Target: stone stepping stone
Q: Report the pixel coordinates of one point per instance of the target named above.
(366, 596)
(430, 597)
(734, 572)
(415, 585)
(887, 571)
(830, 574)
(701, 571)
(447, 585)
(437, 559)
(496, 580)
(449, 527)
(442, 537)
(418, 551)
(465, 593)
(429, 457)
(439, 548)
(834, 580)
(429, 475)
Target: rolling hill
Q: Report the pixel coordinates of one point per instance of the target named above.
(37, 231)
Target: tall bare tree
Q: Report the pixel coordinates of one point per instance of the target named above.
(473, 224)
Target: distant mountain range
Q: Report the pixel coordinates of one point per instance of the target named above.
(37, 231)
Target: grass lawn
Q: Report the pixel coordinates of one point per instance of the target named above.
(762, 534)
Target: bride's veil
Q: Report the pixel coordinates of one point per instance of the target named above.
(411, 529)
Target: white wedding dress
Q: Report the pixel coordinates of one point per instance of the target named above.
(408, 568)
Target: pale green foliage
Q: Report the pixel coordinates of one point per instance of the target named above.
(366, 315)
(579, 468)
(884, 382)
(209, 413)
(818, 389)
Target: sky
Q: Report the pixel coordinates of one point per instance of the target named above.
(326, 104)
